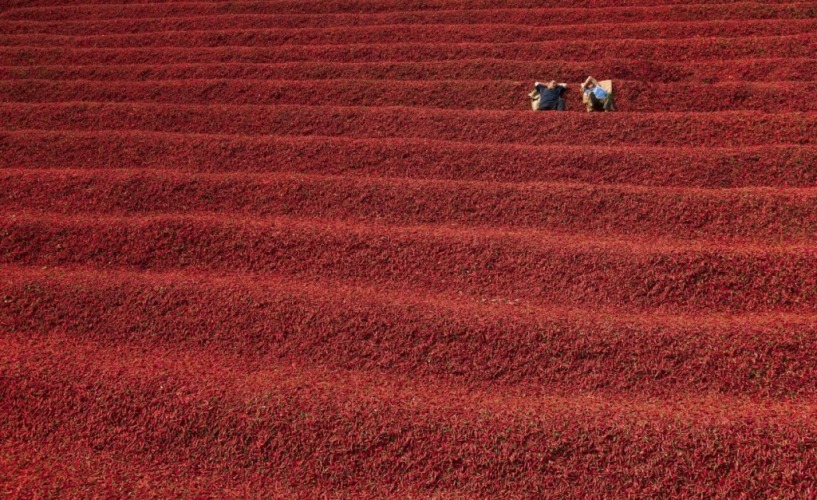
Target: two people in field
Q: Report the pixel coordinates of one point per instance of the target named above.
(550, 96)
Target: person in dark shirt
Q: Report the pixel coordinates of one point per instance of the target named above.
(550, 95)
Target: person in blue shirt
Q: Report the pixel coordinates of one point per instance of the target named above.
(550, 95)
(596, 98)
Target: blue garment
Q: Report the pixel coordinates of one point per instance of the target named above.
(597, 91)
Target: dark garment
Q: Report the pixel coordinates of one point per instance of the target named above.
(559, 106)
(551, 98)
(596, 104)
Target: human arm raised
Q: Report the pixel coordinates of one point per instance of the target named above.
(587, 82)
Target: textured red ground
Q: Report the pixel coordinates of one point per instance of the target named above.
(302, 249)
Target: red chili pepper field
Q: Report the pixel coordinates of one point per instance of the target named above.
(304, 249)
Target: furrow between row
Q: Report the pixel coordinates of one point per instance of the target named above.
(206, 410)
(748, 70)
(663, 50)
(357, 6)
(414, 333)
(761, 215)
(539, 18)
(523, 127)
(451, 94)
(349, 13)
(406, 33)
(773, 166)
(522, 265)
